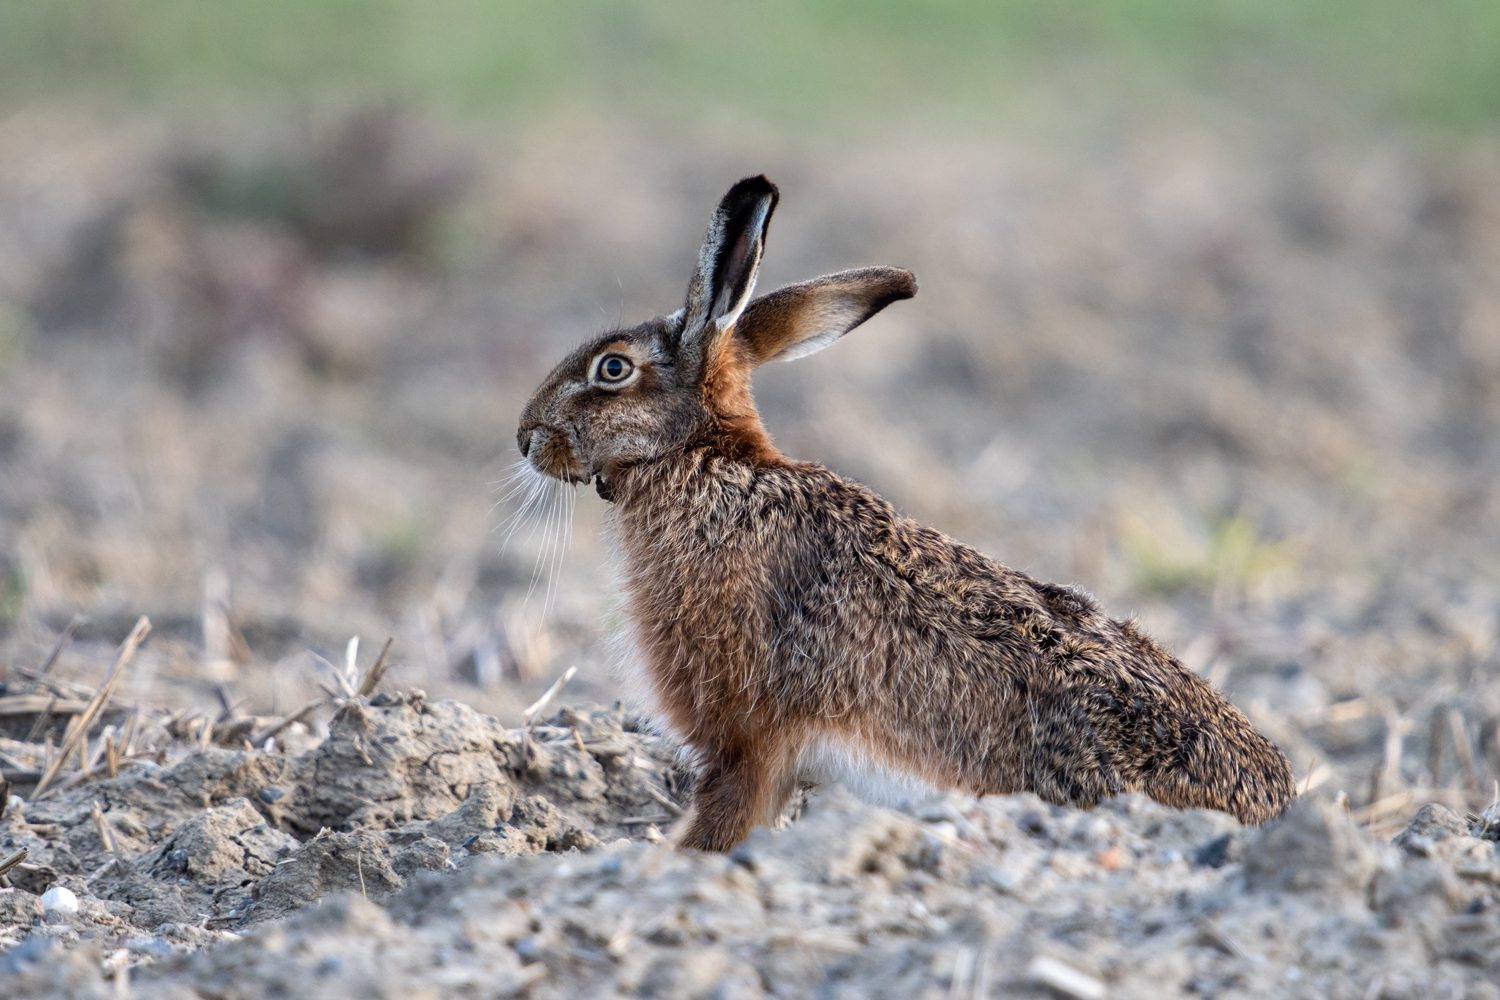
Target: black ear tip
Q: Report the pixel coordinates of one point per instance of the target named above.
(752, 189)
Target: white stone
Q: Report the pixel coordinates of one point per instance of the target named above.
(59, 901)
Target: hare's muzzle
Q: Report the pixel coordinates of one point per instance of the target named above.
(550, 452)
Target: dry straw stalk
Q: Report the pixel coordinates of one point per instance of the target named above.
(82, 722)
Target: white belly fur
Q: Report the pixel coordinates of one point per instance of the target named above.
(829, 759)
(634, 675)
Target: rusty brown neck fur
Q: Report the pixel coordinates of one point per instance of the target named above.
(734, 428)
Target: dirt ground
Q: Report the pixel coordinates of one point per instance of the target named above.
(259, 376)
(422, 849)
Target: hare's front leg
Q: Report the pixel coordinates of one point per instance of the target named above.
(734, 793)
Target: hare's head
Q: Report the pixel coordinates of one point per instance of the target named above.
(636, 394)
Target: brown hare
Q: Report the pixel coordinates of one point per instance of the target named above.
(789, 625)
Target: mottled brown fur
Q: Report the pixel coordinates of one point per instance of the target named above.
(780, 610)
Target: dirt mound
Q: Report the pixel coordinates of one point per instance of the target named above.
(219, 837)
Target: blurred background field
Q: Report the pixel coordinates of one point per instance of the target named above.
(787, 62)
(1209, 325)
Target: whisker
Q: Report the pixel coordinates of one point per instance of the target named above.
(519, 483)
(524, 484)
(519, 467)
(565, 537)
(537, 490)
(543, 505)
(538, 511)
(553, 551)
(521, 471)
(536, 570)
(524, 510)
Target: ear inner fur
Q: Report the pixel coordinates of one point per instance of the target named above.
(727, 265)
(797, 320)
(738, 263)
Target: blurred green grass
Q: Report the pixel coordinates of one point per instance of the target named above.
(1436, 62)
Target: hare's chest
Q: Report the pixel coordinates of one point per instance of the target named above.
(695, 558)
(693, 621)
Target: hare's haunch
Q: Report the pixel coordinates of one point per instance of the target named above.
(791, 625)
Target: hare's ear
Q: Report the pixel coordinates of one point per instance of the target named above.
(726, 265)
(796, 320)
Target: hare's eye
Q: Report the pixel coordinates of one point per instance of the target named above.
(615, 368)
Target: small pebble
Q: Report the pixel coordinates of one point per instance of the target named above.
(1112, 859)
(59, 902)
(1214, 853)
(944, 832)
(269, 795)
(1002, 878)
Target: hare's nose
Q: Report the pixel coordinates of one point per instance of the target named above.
(523, 440)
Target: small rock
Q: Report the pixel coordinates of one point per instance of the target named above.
(1112, 858)
(59, 902)
(504, 842)
(427, 854)
(18, 906)
(485, 806)
(1033, 822)
(1437, 832)
(269, 795)
(1214, 853)
(1431, 823)
(1003, 879)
